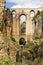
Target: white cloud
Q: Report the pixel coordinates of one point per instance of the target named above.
(27, 3)
(17, 6)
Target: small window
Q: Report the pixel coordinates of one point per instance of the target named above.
(32, 13)
(13, 13)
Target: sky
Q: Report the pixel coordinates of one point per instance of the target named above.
(24, 3)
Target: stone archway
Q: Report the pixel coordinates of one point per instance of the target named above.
(22, 41)
(22, 18)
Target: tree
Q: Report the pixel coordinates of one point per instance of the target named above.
(37, 20)
(23, 28)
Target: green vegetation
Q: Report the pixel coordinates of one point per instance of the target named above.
(31, 46)
(5, 60)
(36, 19)
(13, 39)
(38, 13)
(23, 28)
(40, 61)
(2, 45)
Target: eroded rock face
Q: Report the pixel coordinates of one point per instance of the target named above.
(10, 27)
(32, 54)
(7, 22)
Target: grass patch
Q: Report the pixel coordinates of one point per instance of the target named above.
(5, 60)
(31, 46)
(40, 61)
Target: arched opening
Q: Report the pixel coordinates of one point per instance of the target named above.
(32, 13)
(22, 41)
(23, 18)
(13, 13)
(22, 24)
